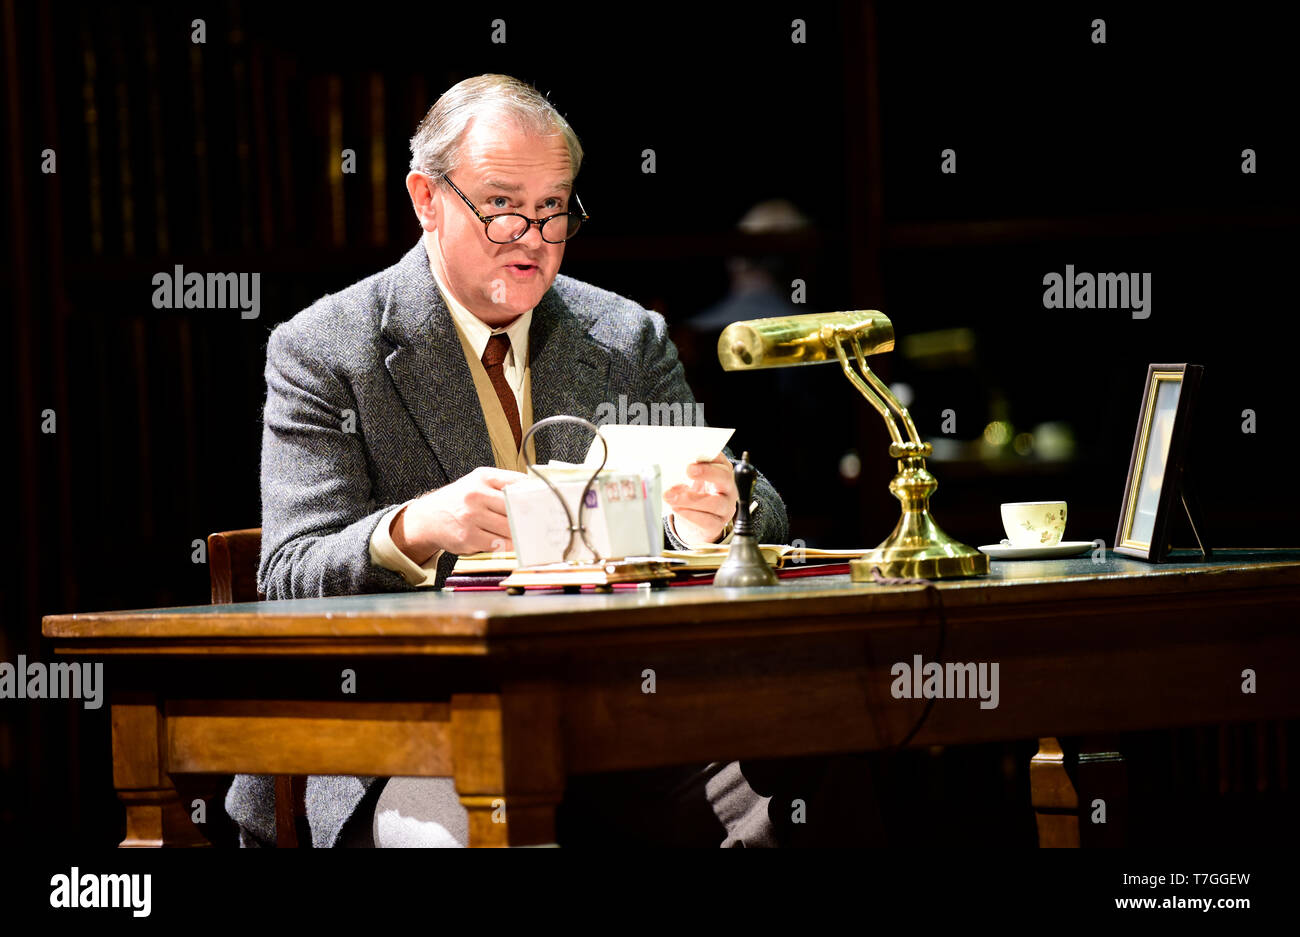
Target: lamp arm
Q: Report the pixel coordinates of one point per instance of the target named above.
(885, 392)
(866, 392)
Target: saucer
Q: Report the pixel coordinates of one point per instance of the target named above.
(1003, 551)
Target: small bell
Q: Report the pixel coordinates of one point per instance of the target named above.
(744, 565)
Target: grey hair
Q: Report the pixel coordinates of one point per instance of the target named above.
(436, 146)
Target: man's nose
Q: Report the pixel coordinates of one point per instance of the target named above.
(533, 237)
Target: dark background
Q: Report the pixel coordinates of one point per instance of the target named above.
(223, 157)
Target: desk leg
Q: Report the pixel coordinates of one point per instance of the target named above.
(155, 815)
(508, 763)
(1080, 793)
(1056, 803)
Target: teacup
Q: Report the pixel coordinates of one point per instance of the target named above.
(1034, 523)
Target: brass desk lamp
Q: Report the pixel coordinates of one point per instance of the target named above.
(917, 548)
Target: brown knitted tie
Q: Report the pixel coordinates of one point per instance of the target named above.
(494, 357)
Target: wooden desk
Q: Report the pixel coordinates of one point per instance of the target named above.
(509, 694)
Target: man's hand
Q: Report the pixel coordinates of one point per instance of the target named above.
(702, 508)
(467, 516)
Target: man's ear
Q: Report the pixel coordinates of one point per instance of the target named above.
(421, 189)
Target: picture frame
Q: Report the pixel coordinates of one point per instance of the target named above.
(1157, 486)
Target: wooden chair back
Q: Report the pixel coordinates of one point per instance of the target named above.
(233, 557)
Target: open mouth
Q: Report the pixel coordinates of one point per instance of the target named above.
(522, 269)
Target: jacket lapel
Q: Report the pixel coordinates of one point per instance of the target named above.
(570, 376)
(428, 369)
(569, 372)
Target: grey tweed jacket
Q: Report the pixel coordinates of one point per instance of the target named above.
(385, 352)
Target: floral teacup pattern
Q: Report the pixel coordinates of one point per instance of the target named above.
(1034, 523)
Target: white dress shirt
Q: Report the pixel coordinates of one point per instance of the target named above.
(478, 332)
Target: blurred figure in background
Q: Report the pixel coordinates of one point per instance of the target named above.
(773, 282)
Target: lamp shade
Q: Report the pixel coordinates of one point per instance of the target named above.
(810, 339)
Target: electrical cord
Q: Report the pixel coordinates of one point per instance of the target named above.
(932, 592)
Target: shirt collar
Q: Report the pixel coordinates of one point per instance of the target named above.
(478, 331)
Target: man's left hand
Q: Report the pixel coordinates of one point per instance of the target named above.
(702, 509)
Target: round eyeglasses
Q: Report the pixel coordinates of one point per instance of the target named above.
(510, 226)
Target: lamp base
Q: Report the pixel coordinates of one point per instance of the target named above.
(918, 548)
(936, 561)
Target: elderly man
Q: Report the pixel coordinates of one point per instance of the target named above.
(394, 414)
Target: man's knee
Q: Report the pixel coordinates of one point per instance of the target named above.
(250, 802)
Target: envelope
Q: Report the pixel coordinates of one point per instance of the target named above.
(620, 515)
(672, 448)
